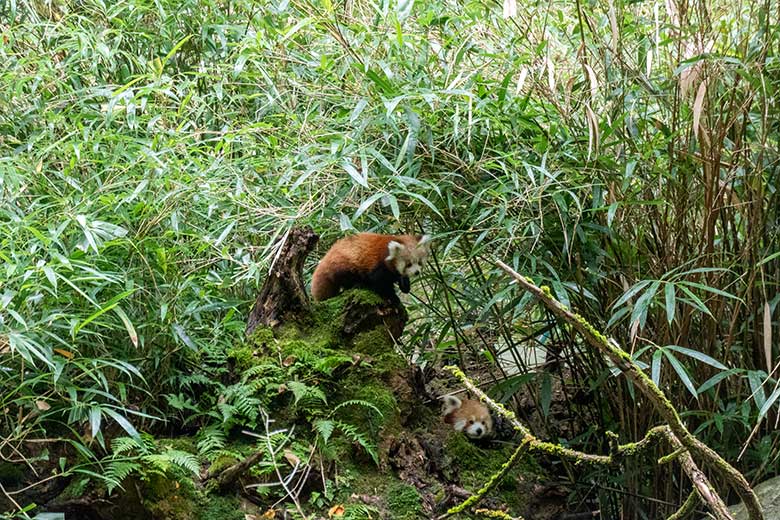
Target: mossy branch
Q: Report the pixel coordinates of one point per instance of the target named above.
(686, 508)
(532, 443)
(679, 433)
(227, 476)
(490, 484)
(618, 451)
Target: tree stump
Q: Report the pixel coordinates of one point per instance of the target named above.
(283, 295)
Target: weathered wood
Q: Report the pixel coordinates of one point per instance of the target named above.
(283, 295)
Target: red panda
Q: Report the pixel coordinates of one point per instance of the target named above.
(468, 416)
(371, 261)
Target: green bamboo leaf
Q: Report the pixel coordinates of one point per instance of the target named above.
(769, 402)
(110, 304)
(670, 302)
(711, 289)
(714, 380)
(755, 379)
(655, 371)
(681, 373)
(631, 292)
(695, 300)
(704, 358)
(128, 325)
(124, 423)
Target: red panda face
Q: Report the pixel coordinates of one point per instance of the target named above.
(468, 416)
(409, 255)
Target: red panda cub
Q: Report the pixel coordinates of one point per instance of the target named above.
(371, 261)
(468, 416)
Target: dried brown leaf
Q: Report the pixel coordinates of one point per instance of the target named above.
(292, 458)
(698, 106)
(594, 84)
(768, 336)
(337, 510)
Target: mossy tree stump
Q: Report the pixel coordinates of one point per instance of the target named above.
(283, 295)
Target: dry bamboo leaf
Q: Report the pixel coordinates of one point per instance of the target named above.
(64, 353)
(768, 336)
(510, 8)
(613, 25)
(42, 405)
(593, 131)
(550, 74)
(292, 458)
(698, 105)
(594, 84)
(521, 80)
(337, 510)
(649, 63)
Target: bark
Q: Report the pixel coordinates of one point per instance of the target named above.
(283, 296)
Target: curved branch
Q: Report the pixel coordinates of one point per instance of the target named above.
(623, 361)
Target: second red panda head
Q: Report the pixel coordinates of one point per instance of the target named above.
(468, 416)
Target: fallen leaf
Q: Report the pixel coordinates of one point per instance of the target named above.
(64, 353)
(42, 405)
(292, 458)
(337, 510)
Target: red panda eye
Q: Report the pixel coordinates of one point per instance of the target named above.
(471, 422)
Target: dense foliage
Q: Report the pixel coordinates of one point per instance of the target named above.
(153, 156)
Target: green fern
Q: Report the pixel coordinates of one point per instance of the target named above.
(307, 394)
(325, 428)
(328, 364)
(163, 461)
(351, 432)
(212, 438)
(117, 471)
(360, 512)
(358, 402)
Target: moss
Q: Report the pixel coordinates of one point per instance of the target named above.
(477, 465)
(170, 496)
(216, 507)
(77, 488)
(359, 297)
(374, 342)
(243, 357)
(221, 462)
(357, 387)
(261, 337)
(404, 502)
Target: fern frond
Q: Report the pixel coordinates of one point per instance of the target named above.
(302, 391)
(117, 471)
(211, 438)
(325, 428)
(351, 432)
(358, 402)
(328, 364)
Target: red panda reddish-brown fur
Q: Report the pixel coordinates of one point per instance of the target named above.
(369, 260)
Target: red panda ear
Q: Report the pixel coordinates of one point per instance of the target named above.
(394, 250)
(451, 403)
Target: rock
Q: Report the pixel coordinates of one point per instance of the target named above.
(768, 493)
